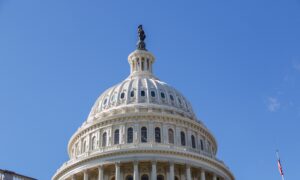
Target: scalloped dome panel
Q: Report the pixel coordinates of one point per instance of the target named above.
(147, 91)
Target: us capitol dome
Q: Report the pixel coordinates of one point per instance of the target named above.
(142, 129)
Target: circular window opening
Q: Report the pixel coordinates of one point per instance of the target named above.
(122, 95)
(179, 100)
(171, 97)
(105, 101)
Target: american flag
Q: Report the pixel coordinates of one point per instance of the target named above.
(280, 167)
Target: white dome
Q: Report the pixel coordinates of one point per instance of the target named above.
(141, 89)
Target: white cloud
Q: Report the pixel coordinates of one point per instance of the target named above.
(273, 104)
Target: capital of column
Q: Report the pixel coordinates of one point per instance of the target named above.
(100, 172)
(135, 170)
(73, 177)
(85, 175)
(202, 174)
(117, 164)
(188, 172)
(214, 177)
(172, 174)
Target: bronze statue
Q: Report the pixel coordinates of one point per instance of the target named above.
(141, 44)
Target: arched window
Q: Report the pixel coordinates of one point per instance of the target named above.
(162, 95)
(171, 97)
(148, 64)
(129, 177)
(193, 141)
(143, 93)
(143, 64)
(157, 135)
(145, 177)
(160, 177)
(171, 136)
(117, 136)
(143, 134)
(94, 143)
(201, 144)
(182, 137)
(153, 93)
(122, 95)
(104, 139)
(130, 135)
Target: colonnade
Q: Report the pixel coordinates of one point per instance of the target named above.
(202, 174)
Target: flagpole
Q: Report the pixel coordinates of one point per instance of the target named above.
(278, 159)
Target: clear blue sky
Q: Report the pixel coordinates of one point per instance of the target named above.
(237, 62)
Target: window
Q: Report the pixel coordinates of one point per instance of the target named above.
(117, 136)
(129, 135)
(182, 136)
(132, 94)
(160, 177)
(176, 178)
(157, 135)
(145, 177)
(148, 64)
(143, 93)
(179, 101)
(171, 97)
(104, 139)
(193, 141)
(171, 136)
(105, 101)
(152, 93)
(143, 65)
(144, 134)
(201, 144)
(162, 95)
(94, 143)
(122, 95)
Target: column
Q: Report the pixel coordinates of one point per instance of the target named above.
(135, 171)
(153, 171)
(100, 173)
(73, 177)
(85, 175)
(202, 174)
(188, 172)
(214, 177)
(172, 171)
(117, 171)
